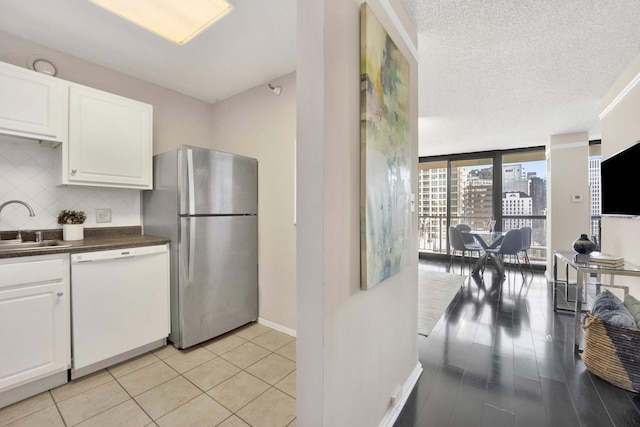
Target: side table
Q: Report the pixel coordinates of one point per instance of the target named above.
(583, 271)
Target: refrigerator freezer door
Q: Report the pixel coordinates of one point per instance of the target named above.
(217, 183)
(218, 284)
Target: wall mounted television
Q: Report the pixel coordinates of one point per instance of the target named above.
(618, 186)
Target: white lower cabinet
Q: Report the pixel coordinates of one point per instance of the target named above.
(35, 319)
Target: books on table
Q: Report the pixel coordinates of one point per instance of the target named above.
(603, 260)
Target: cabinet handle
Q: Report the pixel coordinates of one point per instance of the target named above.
(60, 294)
(73, 171)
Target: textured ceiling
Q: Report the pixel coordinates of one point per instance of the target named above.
(503, 73)
(493, 73)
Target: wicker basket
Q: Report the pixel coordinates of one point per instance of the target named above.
(612, 353)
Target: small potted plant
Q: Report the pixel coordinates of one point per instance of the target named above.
(72, 224)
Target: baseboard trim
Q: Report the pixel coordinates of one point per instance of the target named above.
(277, 327)
(392, 414)
(29, 389)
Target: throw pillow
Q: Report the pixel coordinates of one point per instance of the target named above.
(604, 301)
(610, 308)
(619, 317)
(633, 305)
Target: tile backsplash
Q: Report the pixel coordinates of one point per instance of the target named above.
(27, 171)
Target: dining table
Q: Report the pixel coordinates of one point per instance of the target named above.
(488, 240)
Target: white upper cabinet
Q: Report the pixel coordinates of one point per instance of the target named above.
(110, 140)
(31, 104)
(106, 139)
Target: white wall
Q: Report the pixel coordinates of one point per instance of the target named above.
(621, 129)
(354, 347)
(259, 124)
(567, 176)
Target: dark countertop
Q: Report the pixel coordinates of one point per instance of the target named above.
(95, 240)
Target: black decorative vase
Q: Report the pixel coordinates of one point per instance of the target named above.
(583, 245)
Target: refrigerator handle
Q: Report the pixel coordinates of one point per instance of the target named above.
(190, 179)
(192, 249)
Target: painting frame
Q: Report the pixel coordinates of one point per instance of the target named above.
(385, 150)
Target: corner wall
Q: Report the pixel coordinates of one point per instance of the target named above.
(567, 176)
(354, 347)
(259, 124)
(621, 129)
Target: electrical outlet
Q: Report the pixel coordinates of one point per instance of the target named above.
(103, 215)
(396, 396)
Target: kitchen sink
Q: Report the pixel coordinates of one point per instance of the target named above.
(6, 246)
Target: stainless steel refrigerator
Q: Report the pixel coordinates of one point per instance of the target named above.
(207, 202)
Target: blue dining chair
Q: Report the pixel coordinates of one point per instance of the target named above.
(466, 237)
(457, 243)
(526, 244)
(511, 246)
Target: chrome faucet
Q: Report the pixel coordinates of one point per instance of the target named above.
(26, 205)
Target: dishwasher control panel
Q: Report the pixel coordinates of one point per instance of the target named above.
(116, 253)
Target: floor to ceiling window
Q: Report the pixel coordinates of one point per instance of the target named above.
(432, 206)
(595, 156)
(508, 186)
(524, 197)
(453, 192)
(472, 192)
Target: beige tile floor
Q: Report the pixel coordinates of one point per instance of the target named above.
(244, 378)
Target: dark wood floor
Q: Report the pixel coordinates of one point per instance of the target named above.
(501, 356)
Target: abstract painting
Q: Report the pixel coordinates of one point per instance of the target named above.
(385, 135)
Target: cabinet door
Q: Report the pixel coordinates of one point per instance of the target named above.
(35, 318)
(110, 140)
(31, 104)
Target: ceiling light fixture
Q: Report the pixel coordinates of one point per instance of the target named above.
(45, 67)
(275, 89)
(177, 21)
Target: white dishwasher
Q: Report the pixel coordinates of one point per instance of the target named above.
(119, 305)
